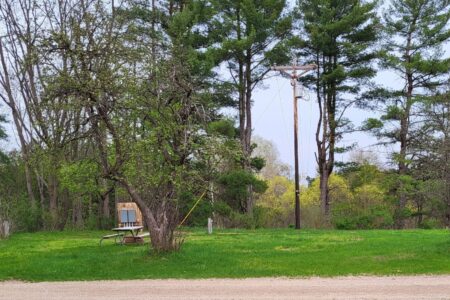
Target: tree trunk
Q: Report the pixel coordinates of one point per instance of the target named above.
(105, 213)
(161, 222)
(161, 235)
(77, 213)
(41, 186)
(402, 170)
(245, 118)
(323, 141)
(404, 132)
(446, 176)
(53, 204)
(105, 207)
(18, 122)
(248, 129)
(325, 196)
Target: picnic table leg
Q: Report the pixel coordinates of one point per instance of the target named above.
(120, 239)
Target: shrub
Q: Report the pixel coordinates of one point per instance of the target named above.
(25, 217)
(430, 223)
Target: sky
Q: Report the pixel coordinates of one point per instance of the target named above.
(273, 120)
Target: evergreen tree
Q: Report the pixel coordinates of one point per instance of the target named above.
(415, 32)
(253, 36)
(431, 167)
(338, 36)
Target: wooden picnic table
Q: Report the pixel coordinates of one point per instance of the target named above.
(127, 235)
(133, 230)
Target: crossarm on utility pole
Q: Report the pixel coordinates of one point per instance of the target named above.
(294, 67)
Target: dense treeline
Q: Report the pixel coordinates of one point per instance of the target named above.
(118, 100)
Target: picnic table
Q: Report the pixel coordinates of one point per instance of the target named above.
(130, 234)
(127, 235)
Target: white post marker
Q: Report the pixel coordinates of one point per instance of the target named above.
(210, 224)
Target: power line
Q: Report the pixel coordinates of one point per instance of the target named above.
(294, 76)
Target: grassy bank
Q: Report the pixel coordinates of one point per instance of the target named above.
(50, 256)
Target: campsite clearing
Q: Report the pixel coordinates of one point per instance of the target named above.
(76, 255)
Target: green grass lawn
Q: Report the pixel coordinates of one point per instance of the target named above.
(51, 256)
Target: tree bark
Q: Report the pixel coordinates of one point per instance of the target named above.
(161, 222)
(10, 101)
(403, 137)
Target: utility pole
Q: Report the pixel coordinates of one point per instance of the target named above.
(294, 76)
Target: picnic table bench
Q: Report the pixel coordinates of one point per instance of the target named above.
(110, 236)
(145, 234)
(127, 234)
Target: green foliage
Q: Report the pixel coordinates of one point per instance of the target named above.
(366, 210)
(372, 124)
(256, 27)
(2, 129)
(201, 213)
(241, 220)
(15, 206)
(275, 205)
(222, 127)
(24, 217)
(339, 38)
(235, 184)
(430, 224)
(3, 136)
(359, 198)
(364, 174)
(80, 177)
(393, 113)
(342, 32)
(257, 163)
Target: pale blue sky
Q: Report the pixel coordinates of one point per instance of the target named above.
(273, 120)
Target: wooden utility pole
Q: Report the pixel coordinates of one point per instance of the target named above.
(294, 76)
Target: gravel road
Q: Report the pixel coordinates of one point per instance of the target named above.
(361, 287)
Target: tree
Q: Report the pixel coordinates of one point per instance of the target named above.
(431, 165)
(35, 56)
(15, 82)
(310, 200)
(339, 37)
(268, 151)
(275, 204)
(415, 33)
(155, 115)
(253, 36)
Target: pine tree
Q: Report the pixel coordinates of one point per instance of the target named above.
(254, 35)
(415, 32)
(338, 36)
(431, 166)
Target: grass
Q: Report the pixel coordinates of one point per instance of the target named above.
(58, 256)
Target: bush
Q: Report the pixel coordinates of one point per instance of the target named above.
(235, 188)
(269, 217)
(24, 217)
(430, 224)
(201, 213)
(347, 217)
(238, 220)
